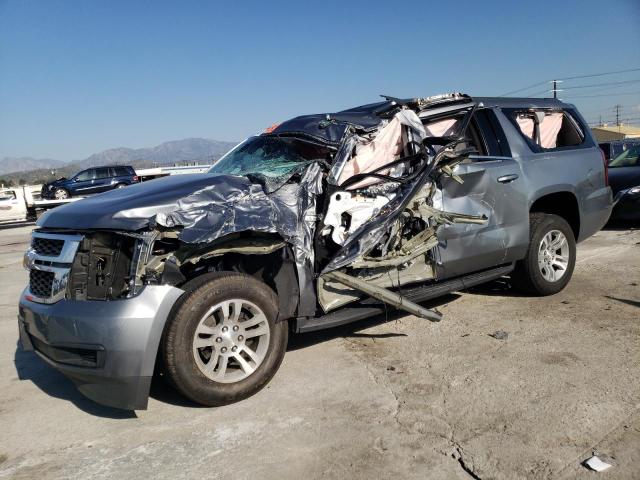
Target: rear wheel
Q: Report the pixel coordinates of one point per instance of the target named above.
(550, 259)
(222, 343)
(121, 185)
(61, 194)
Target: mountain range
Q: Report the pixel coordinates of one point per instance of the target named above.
(196, 150)
(21, 164)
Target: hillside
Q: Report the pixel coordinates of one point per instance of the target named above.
(17, 164)
(189, 150)
(198, 150)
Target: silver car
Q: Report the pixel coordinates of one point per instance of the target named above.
(319, 221)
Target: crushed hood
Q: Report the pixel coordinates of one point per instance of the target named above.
(133, 207)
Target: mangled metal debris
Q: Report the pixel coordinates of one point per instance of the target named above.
(376, 176)
(384, 295)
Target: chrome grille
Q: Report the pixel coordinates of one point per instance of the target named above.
(41, 283)
(49, 247)
(49, 262)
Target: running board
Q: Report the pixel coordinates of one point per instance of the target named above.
(369, 307)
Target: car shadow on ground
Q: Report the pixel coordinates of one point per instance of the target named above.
(500, 287)
(619, 225)
(633, 303)
(30, 367)
(163, 391)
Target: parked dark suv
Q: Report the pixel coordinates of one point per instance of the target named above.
(89, 181)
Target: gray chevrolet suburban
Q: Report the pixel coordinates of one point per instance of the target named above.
(318, 221)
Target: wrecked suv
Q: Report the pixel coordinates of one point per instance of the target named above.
(319, 221)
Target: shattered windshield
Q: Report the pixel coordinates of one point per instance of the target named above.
(270, 160)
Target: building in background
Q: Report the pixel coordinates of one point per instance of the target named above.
(607, 133)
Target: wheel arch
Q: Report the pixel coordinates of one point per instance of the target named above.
(563, 203)
(266, 257)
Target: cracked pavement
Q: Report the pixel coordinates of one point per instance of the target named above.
(379, 398)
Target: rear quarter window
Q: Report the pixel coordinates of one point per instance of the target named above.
(122, 171)
(549, 129)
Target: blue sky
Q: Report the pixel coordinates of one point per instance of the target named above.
(77, 77)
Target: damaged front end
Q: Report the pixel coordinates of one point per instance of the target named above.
(346, 195)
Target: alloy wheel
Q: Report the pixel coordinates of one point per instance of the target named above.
(553, 255)
(231, 340)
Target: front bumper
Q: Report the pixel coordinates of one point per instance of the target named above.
(47, 194)
(107, 348)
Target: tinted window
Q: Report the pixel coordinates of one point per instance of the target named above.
(122, 171)
(102, 173)
(86, 175)
(495, 141)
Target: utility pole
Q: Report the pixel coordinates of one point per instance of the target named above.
(555, 87)
(618, 107)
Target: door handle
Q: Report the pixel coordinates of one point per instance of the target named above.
(508, 178)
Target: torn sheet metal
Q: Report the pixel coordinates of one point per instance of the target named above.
(384, 295)
(237, 205)
(332, 294)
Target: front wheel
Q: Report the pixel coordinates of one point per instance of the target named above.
(61, 194)
(550, 259)
(222, 343)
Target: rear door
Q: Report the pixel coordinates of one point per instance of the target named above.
(492, 186)
(104, 180)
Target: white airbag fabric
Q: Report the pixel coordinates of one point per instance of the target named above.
(387, 146)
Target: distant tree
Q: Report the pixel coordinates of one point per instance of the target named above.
(6, 182)
(22, 181)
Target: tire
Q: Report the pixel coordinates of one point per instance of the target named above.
(191, 369)
(121, 185)
(532, 274)
(61, 194)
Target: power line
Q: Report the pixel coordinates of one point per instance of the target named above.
(546, 90)
(603, 95)
(523, 89)
(601, 74)
(624, 82)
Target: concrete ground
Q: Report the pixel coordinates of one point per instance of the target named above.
(385, 397)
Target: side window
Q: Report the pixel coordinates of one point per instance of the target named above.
(85, 175)
(102, 173)
(483, 133)
(122, 171)
(547, 129)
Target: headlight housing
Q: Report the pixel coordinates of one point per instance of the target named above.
(634, 190)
